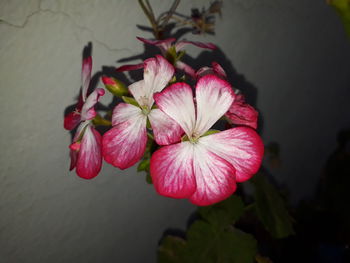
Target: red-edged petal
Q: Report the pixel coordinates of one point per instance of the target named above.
(216, 69)
(243, 114)
(162, 44)
(75, 146)
(129, 67)
(124, 112)
(215, 177)
(219, 70)
(157, 73)
(125, 144)
(166, 130)
(186, 68)
(241, 146)
(172, 171)
(89, 159)
(214, 97)
(181, 44)
(71, 120)
(177, 102)
(88, 112)
(86, 76)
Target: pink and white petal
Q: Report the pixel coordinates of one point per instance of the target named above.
(75, 145)
(242, 147)
(89, 159)
(214, 97)
(129, 67)
(243, 114)
(172, 171)
(158, 72)
(186, 68)
(86, 76)
(215, 177)
(125, 144)
(165, 129)
(88, 111)
(124, 112)
(140, 93)
(71, 120)
(219, 70)
(177, 102)
(181, 44)
(164, 44)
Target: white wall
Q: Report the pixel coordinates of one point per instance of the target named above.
(294, 53)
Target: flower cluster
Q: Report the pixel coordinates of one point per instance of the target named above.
(190, 159)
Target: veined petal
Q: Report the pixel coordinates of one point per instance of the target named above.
(140, 93)
(177, 102)
(165, 129)
(164, 44)
(124, 112)
(86, 76)
(186, 68)
(218, 70)
(243, 114)
(88, 112)
(129, 67)
(124, 144)
(214, 97)
(215, 177)
(73, 153)
(181, 44)
(242, 147)
(89, 159)
(71, 120)
(157, 73)
(172, 171)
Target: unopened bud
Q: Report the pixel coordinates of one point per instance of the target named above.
(115, 86)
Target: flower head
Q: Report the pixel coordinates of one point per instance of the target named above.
(85, 151)
(204, 169)
(125, 143)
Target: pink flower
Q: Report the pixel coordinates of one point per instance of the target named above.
(203, 168)
(125, 143)
(241, 113)
(85, 151)
(216, 69)
(169, 50)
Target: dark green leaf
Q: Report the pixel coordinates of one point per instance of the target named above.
(206, 244)
(171, 250)
(224, 213)
(271, 209)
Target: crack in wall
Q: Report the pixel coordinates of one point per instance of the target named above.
(40, 10)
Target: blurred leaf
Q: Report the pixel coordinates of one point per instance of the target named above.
(271, 209)
(343, 9)
(149, 178)
(171, 250)
(206, 244)
(261, 259)
(224, 213)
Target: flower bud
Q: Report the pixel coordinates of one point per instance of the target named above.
(115, 86)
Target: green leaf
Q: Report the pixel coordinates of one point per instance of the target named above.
(171, 250)
(143, 165)
(206, 244)
(343, 9)
(130, 100)
(224, 213)
(271, 209)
